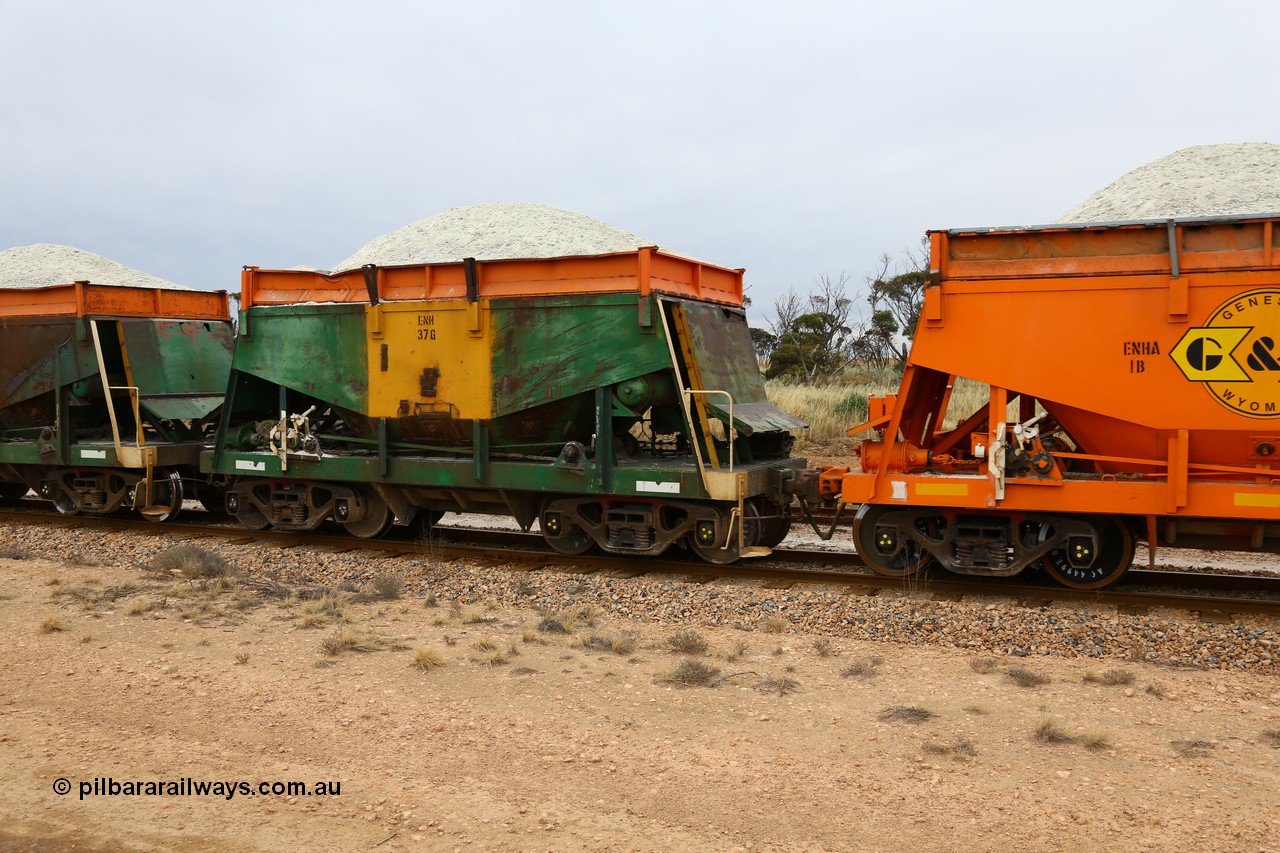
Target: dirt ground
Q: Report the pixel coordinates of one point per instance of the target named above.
(526, 739)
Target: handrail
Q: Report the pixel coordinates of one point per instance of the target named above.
(732, 430)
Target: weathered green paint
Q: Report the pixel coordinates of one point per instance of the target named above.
(625, 479)
(318, 350)
(93, 455)
(179, 366)
(551, 349)
(50, 380)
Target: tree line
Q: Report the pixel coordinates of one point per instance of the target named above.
(824, 332)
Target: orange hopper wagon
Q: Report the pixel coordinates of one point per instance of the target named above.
(1134, 393)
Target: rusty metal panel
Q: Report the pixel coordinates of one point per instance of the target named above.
(721, 343)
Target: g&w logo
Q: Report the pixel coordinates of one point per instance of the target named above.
(1235, 354)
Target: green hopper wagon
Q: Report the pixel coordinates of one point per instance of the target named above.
(105, 394)
(613, 399)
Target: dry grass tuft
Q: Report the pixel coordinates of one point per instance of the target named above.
(774, 625)
(978, 708)
(692, 673)
(863, 667)
(17, 552)
(486, 644)
(190, 561)
(1110, 677)
(737, 650)
(984, 666)
(385, 586)
(959, 748)
(1024, 677)
(688, 642)
(476, 616)
(496, 657)
(823, 647)
(905, 714)
(52, 624)
(348, 639)
(620, 645)
(1049, 730)
(1271, 737)
(1157, 690)
(242, 658)
(567, 620)
(780, 685)
(312, 620)
(427, 658)
(1096, 740)
(329, 605)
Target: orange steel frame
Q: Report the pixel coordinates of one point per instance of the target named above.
(644, 272)
(82, 299)
(1162, 279)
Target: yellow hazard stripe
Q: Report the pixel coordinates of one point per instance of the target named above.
(951, 489)
(1255, 499)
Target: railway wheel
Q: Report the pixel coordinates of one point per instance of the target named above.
(1113, 557)
(774, 529)
(377, 519)
(884, 546)
(562, 534)
(250, 516)
(715, 537)
(213, 498)
(62, 502)
(166, 496)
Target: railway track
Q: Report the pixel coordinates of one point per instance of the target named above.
(1214, 596)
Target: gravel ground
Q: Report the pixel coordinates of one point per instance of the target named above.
(47, 264)
(902, 617)
(495, 232)
(1205, 180)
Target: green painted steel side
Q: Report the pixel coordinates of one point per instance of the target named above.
(179, 367)
(644, 480)
(319, 350)
(552, 349)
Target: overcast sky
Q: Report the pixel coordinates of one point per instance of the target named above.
(792, 139)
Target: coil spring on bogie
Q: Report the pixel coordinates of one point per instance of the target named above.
(288, 515)
(639, 538)
(998, 556)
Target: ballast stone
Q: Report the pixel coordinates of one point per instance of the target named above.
(1230, 179)
(48, 264)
